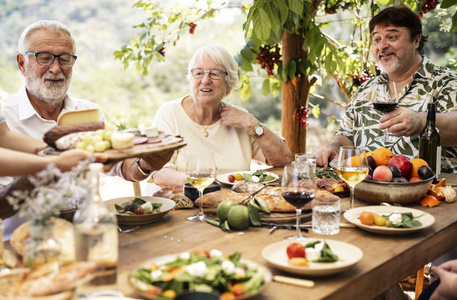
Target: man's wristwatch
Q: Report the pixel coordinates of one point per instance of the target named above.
(142, 171)
(258, 131)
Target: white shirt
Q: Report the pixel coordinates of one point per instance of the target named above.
(233, 148)
(22, 117)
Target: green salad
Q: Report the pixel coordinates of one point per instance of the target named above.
(138, 206)
(258, 176)
(200, 271)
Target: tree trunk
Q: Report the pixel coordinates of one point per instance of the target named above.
(295, 93)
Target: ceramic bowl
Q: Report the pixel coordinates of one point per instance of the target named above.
(392, 192)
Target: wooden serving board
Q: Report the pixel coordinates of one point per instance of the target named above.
(170, 143)
(285, 218)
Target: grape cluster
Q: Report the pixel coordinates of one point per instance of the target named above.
(162, 50)
(427, 6)
(192, 26)
(268, 57)
(358, 79)
(302, 113)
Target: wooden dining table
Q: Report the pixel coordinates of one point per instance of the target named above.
(387, 259)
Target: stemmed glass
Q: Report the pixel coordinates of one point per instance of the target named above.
(200, 173)
(352, 167)
(298, 188)
(385, 103)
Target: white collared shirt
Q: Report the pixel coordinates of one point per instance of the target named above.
(22, 117)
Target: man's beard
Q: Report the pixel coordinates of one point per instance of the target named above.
(50, 93)
(392, 67)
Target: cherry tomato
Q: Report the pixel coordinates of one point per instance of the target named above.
(231, 178)
(139, 211)
(239, 176)
(296, 250)
(202, 252)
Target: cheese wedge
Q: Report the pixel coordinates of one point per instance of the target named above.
(79, 116)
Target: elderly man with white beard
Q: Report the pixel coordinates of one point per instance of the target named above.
(46, 55)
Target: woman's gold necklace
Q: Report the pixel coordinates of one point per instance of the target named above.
(205, 132)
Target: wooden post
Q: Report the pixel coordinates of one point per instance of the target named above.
(295, 93)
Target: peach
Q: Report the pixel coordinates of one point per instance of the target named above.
(403, 163)
(414, 179)
(382, 173)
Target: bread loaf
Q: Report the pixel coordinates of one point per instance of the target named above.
(55, 133)
(270, 197)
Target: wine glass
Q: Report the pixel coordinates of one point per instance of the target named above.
(298, 188)
(383, 102)
(352, 167)
(200, 173)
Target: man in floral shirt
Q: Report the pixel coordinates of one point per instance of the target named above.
(398, 43)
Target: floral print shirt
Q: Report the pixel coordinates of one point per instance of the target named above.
(360, 122)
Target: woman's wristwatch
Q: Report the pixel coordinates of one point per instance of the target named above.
(258, 131)
(142, 171)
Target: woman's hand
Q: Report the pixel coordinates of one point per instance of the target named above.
(70, 158)
(234, 117)
(169, 178)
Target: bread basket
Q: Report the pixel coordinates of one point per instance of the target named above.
(10, 277)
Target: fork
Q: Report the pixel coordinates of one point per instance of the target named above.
(127, 230)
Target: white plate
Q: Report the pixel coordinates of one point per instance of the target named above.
(223, 178)
(171, 257)
(126, 219)
(352, 216)
(349, 255)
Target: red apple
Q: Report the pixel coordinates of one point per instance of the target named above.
(403, 163)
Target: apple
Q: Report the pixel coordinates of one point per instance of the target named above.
(403, 163)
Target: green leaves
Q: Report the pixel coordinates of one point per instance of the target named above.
(261, 24)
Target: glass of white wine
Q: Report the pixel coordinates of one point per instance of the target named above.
(352, 167)
(298, 188)
(200, 173)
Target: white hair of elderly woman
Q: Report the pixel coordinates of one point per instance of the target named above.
(221, 57)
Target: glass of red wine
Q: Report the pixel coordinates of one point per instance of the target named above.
(385, 100)
(298, 188)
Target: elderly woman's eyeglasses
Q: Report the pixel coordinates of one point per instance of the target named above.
(213, 74)
(46, 59)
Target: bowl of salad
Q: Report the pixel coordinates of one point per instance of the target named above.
(230, 277)
(140, 210)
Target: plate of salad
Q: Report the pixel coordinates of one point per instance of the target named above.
(140, 210)
(323, 257)
(248, 176)
(397, 220)
(201, 270)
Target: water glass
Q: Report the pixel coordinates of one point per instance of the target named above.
(326, 216)
(306, 158)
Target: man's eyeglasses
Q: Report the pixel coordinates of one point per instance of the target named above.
(46, 58)
(213, 74)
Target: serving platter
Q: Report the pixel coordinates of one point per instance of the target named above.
(170, 142)
(223, 178)
(352, 216)
(161, 260)
(349, 255)
(126, 219)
